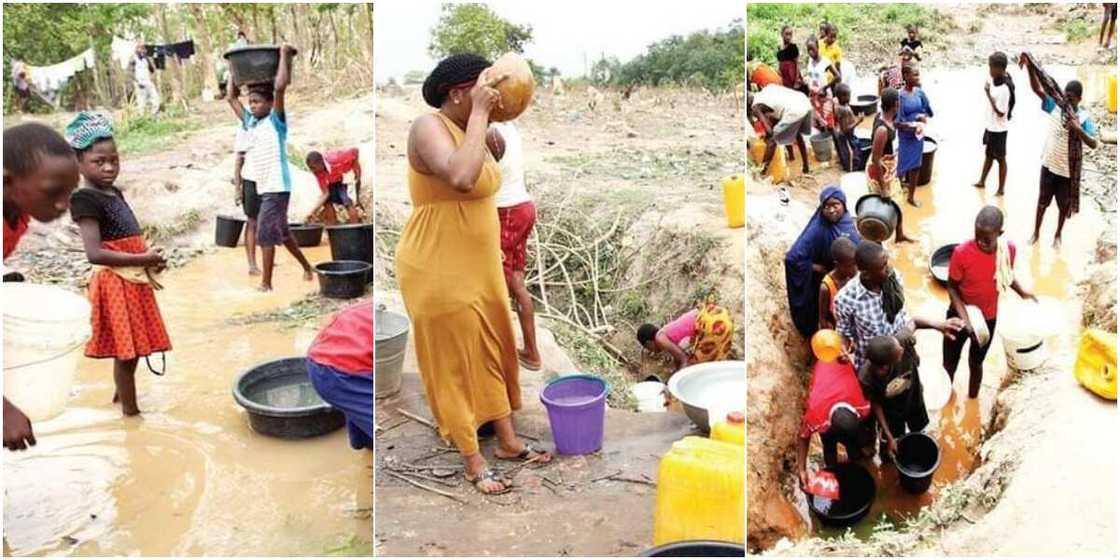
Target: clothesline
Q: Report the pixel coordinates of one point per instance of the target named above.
(54, 77)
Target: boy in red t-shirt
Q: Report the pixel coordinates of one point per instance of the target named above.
(978, 271)
(329, 169)
(340, 365)
(837, 410)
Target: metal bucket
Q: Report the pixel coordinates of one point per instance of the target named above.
(391, 339)
(822, 146)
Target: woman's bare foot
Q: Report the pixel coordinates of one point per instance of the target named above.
(531, 363)
(913, 202)
(978, 184)
(1057, 242)
(308, 275)
(264, 288)
(1034, 239)
(254, 271)
(999, 192)
(133, 411)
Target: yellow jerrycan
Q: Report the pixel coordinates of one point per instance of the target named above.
(778, 171)
(700, 492)
(1112, 93)
(1095, 367)
(730, 429)
(734, 200)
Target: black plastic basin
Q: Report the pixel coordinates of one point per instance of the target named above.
(351, 242)
(254, 64)
(866, 104)
(939, 262)
(227, 230)
(697, 549)
(342, 279)
(307, 235)
(917, 459)
(877, 217)
(857, 493)
(281, 401)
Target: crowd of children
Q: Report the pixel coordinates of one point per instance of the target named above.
(844, 296)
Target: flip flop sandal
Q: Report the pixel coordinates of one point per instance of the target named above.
(527, 364)
(491, 475)
(525, 454)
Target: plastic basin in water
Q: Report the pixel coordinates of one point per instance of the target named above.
(710, 390)
(45, 328)
(253, 64)
(351, 242)
(697, 549)
(929, 149)
(281, 401)
(391, 337)
(227, 230)
(857, 493)
(342, 279)
(939, 262)
(307, 235)
(577, 412)
(917, 459)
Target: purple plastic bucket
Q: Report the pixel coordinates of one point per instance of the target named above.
(577, 412)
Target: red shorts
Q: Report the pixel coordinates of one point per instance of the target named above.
(517, 222)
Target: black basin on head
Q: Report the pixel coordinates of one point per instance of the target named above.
(253, 64)
(857, 493)
(282, 403)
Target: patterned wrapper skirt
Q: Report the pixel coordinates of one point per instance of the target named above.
(125, 316)
(714, 332)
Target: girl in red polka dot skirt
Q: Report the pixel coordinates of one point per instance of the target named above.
(126, 319)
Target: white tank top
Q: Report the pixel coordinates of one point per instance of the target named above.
(512, 190)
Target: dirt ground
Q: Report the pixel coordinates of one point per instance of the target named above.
(189, 477)
(664, 173)
(1032, 421)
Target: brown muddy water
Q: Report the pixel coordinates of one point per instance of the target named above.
(189, 477)
(949, 204)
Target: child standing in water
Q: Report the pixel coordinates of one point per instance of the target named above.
(1001, 100)
(126, 320)
(268, 158)
(843, 252)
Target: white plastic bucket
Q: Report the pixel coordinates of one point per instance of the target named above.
(45, 328)
(650, 396)
(1024, 351)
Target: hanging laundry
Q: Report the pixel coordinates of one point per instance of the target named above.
(51, 79)
(182, 50)
(159, 53)
(123, 51)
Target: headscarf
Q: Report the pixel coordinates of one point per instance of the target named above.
(457, 70)
(87, 128)
(814, 245)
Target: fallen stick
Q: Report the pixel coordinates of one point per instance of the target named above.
(417, 418)
(424, 477)
(615, 473)
(633, 480)
(422, 486)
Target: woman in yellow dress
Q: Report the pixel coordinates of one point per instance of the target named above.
(450, 271)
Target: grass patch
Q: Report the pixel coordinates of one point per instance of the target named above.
(306, 312)
(593, 360)
(142, 134)
(158, 232)
(1077, 29)
(634, 164)
(354, 547)
(855, 22)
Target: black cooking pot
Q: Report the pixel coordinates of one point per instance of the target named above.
(877, 217)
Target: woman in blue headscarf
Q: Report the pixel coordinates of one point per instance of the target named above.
(810, 257)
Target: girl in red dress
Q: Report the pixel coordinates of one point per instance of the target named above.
(126, 320)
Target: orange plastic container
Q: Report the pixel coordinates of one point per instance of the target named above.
(700, 492)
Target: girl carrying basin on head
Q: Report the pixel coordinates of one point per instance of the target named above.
(450, 271)
(126, 320)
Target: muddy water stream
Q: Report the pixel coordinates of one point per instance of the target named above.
(949, 204)
(189, 477)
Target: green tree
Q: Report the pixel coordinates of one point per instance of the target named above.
(475, 28)
(712, 60)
